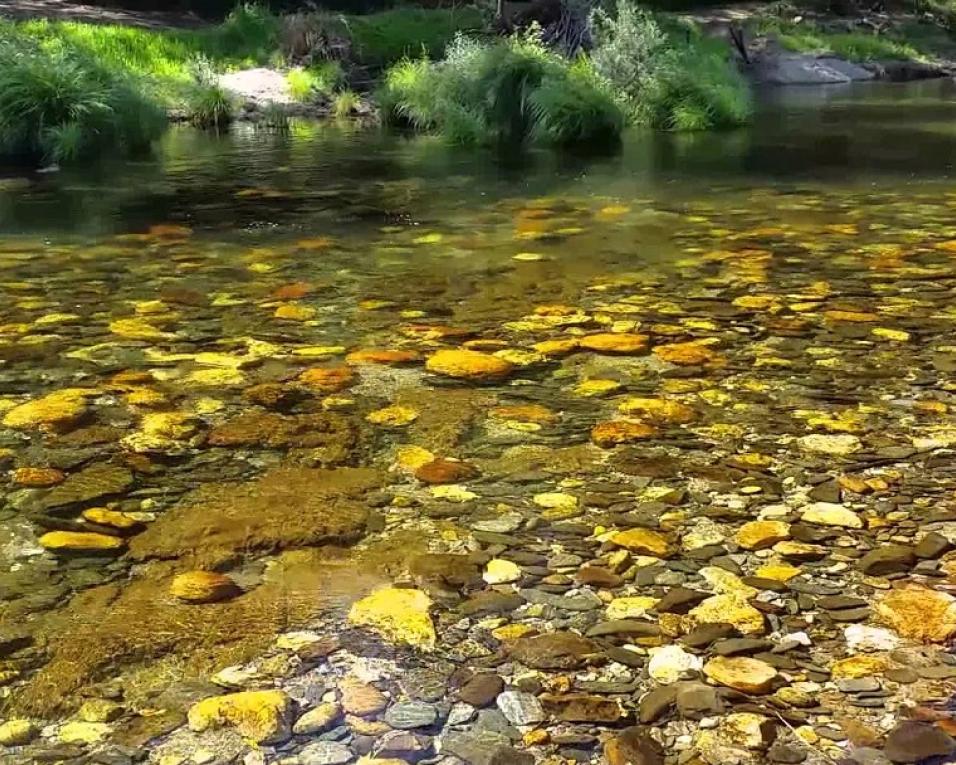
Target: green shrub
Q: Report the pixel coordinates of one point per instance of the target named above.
(668, 79)
(210, 106)
(59, 106)
(345, 103)
(507, 92)
(304, 84)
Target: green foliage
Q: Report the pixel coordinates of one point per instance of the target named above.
(381, 39)
(210, 106)
(807, 37)
(305, 84)
(345, 103)
(671, 79)
(507, 91)
(60, 106)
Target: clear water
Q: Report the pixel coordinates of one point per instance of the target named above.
(811, 252)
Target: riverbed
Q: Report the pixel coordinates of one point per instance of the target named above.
(328, 444)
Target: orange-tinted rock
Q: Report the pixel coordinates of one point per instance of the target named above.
(330, 432)
(203, 587)
(445, 471)
(37, 477)
(615, 432)
(687, 354)
(623, 343)
(293, 291)
(382, 356)
(327, 379)
(468, 365)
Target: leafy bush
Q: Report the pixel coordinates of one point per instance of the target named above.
(507, 91)
(668, 80)
(60, 106)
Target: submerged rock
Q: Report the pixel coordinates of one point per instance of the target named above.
(203, 587)
(398, 615)
(468, 365)
(262, 716)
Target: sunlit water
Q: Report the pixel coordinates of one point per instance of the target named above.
(813, 253)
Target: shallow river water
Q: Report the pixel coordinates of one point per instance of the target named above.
(330, 445)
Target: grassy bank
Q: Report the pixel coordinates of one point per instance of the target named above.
(72, 89)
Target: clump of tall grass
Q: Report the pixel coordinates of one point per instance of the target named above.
(670, 81)
(345, 103)
(507, 91)
(59, 106)
(210, 106)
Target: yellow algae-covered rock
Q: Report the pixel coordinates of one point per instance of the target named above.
(393, 416)
(780, 572)
(859, 666)
(37, 477)
(524, 413)
(295, 312)
(17, 732)
(80, 542)
(398, 615)
(54, 411)
(616, 432)
(837, 444)
(918, 613)
(161, 430)
(831, 514)
(687, 354)
(593, 388)
(658, 410)
(727, 583)
(103, 516)
(557, 348)
(644, 542)
(624, 343)
(203, 587)
(633, 607)
(138, 329)
(730, 608)
(500, 571)
(741, 673)
(468, 365)
(84, 733)
(758, 535)
(262, 716)
(409, 457)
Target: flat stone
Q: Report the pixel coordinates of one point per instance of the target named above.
(556, 650)
(262, 716)
(697, 700)
(912, 742)
(656, 703)
(680, 600)
(361, 699)
(325, 753)
(586, 601)
(670, 662)
(94, 482)
(633, 746)
(481, 690)
(520, 708)
(918, 613)
(737, 646)
(406, 715)
(889, 559)
(318, 720)
(932, 545)
(398, 615)
(830, 514)
(786, 753)
(582, 707)
(741, 673)
(624, 627)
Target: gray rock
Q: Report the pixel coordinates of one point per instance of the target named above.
(325, 753)
(461, 713)
(483, 749)
(520, 708)
(585, 601)
(406, 715)
(858, 684)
